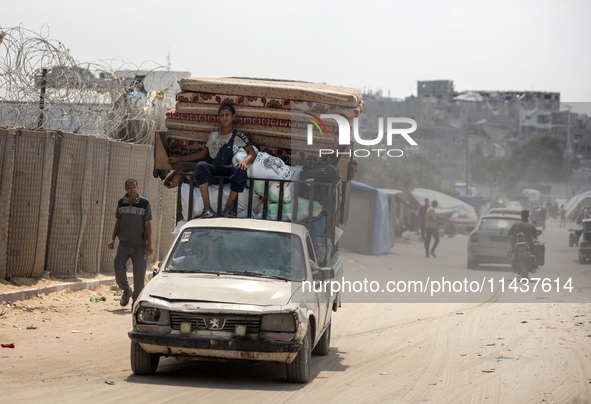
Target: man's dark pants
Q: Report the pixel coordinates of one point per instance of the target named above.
(139, 259)
(206, 172)
(428, 233)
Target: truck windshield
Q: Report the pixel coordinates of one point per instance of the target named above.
(238, 252)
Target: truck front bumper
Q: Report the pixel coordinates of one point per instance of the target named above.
(221, 348)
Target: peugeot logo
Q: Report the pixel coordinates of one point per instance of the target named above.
(214, 323)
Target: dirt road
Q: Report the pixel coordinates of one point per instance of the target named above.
(71, 349)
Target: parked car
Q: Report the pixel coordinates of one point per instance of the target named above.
(489, 242)
(584, 244)
(504, 211)
(236, 289)
(514, 205)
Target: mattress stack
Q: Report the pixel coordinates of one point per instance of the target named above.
(273, 114)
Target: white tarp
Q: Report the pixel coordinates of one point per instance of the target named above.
(469, 96)
(572, 205)
(390, 191)
(446, 205)
(532, 195)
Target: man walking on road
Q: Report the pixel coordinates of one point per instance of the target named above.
(562, 216)
(134, 230)
(431, 229)
(422, 213)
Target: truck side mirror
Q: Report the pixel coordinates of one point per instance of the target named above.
(156, 269)
(325, 273)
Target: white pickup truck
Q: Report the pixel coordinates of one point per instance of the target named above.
(237, 289)
(249, 288)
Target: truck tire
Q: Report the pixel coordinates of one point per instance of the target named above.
(143, 363)
(323, 346)
(571, 240)
(298, 371)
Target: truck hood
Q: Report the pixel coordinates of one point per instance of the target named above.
(222, 289)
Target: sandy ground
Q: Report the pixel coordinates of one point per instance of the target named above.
(73, 347)
(16, 284)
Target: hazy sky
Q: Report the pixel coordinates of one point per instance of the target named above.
(536, 45)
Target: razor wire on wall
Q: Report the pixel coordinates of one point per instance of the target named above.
(43, 87)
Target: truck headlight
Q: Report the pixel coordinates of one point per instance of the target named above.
(148, 315)
(278, 323)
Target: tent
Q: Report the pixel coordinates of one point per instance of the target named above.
(572, 206)
(447, 205)
(368, 226)
(400, 212)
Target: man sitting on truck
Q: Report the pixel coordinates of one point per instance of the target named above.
(205, 172)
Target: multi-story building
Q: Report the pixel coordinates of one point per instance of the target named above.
(452, 125)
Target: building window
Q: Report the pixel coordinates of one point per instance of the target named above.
(543, 119)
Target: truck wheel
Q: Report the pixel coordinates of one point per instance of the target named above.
(143, 363)
(571, 240)
(337, 302)
(298, 371)
(472, 264)
(323, 345)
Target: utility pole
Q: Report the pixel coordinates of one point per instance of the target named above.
(467, 164)
(467, 132)
(42, 98)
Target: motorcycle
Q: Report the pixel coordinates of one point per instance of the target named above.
(539, 219)
(526, 260)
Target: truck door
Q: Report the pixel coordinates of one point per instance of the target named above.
(323, 294)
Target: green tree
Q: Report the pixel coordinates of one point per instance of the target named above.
(403, 173)
(541, 158)
(493, 172)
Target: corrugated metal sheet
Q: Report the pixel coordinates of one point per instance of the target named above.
(7, 149)
(29, 206)
(76, 181)
(68, 217)
(97, 232)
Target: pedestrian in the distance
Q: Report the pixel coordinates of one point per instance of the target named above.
(134, 230)
(562, 216)
(431, 230)
(422, 213)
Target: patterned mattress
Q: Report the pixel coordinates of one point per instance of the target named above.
(243, 112)
(291, 90)
(273, 103)
(245, 123)
(270, 113)
(261, 126)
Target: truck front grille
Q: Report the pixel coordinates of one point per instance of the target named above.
(230, 321)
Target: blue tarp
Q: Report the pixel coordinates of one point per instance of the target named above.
(381, 226)
(473, 200)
